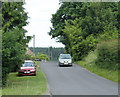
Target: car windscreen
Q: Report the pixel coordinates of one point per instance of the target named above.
(28, 64)
(67, 56)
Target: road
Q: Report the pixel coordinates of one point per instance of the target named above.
(76, 80)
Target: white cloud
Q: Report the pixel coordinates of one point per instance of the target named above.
(40, 13)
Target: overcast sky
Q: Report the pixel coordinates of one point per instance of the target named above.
(40, 13)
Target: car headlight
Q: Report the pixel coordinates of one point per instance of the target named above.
(69, 61)
(21, 70)
(61, 61)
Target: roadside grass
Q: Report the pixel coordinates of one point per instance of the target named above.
(89, 63)
(26, 85)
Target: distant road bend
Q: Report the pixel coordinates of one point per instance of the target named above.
(76, 80)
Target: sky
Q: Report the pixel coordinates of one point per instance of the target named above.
(40, 13)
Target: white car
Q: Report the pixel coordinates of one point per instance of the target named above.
(65, 59)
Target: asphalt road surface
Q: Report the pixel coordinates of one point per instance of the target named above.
(76, 80)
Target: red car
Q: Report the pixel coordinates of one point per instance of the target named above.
(28, 68)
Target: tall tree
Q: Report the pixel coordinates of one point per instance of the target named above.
(14, 18)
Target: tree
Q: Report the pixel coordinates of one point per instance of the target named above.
(13, 37)
(80, 25)
(79, 44)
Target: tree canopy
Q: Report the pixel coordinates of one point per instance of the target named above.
(81, 25)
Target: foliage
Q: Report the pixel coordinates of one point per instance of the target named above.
(110, 32)
(79, 46)
(42, 57)
(81, 25)
(13, 37)
(0, 60)
(51, 52)
(28, 57)
(108, 55)
(104, 60)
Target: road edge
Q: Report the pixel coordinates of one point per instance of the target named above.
(48, 87)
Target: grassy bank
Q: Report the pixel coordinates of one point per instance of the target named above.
(103, 61)
(26, 85)
(111, 75)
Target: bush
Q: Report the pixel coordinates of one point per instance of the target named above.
(28, 57)
(42, 57)
(108, 55)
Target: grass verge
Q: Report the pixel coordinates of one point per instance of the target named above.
(26, 85)
(89, 63)
(111, 75)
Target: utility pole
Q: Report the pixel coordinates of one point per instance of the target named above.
(34, 45)
(48, 52)
(51, 54)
